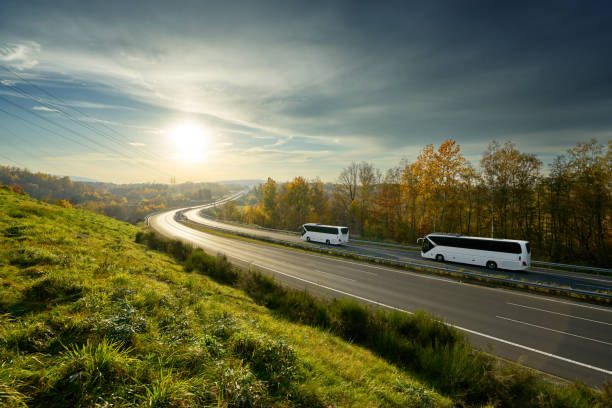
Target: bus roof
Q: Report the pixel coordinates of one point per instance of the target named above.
(443, 234)
(323, 225)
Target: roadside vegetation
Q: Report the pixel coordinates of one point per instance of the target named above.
(90, 317)
(565, 212)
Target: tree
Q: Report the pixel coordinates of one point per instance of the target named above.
(510, 177)
(270, 201)
(295, 203)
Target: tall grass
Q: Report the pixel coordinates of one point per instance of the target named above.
(434, 352)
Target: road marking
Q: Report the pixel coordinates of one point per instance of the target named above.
(557, 313)
(553, 330)
(545, 271)
(420, 275)
(331, 275)
(603, 370)
(544, 353)
(602, 309)
(367, 265)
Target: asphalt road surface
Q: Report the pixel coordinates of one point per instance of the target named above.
(568, 339)
(575, 280)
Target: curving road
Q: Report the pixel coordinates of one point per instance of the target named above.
(567, 339)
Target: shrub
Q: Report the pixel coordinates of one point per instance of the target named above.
(217, 267)
(352, 319)
(438, 353)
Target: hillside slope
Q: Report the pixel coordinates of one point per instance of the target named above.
(90, 318)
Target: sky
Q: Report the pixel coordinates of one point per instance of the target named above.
(130, 91)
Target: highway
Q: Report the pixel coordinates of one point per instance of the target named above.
(575, 280)
(563, 338)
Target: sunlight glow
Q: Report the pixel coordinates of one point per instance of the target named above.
(190, 142)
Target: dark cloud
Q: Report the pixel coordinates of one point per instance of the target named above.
(399, 73)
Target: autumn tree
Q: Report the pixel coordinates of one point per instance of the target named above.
(510, 177)
(270, 202)
(438, 177)
(388, 213)
(295, 203)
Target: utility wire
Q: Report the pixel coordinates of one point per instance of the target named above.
(148, 167)
(11, 160)
(49, 130)
(16, 146)
(64, 103)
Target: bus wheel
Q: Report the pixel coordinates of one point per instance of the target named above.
(327, 242)
(440, 258)
(308, 239)
(491, 265)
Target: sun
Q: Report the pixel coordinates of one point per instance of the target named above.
(190, 141)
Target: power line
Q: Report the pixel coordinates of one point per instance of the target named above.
(44, 128)
(11, 160)
(64, 103)
(48, 130)
(29, 153)
(81, 136)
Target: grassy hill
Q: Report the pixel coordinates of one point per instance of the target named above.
(88, 317)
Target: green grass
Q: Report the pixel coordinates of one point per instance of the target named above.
(89, 317)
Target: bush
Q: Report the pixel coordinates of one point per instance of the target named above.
(438, 353)
(217, 267)
(352, 320)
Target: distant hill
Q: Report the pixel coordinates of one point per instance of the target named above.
(126, 202)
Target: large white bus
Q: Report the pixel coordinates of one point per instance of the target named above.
(492, 253)
(328, 234)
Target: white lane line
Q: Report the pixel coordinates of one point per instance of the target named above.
(601, 309)
(557, 313)
(567, 360)
(367, 265)
(451, 281)
(332, 276)
(545, 271)
(553, 330)
(544, 353)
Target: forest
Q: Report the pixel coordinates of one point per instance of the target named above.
(125, 202)
(565, 211)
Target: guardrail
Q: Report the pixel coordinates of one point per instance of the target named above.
(179, 216)
(573, 267)
(388, 244)
(412, 248)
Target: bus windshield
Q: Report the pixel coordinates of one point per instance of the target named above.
(427, 245)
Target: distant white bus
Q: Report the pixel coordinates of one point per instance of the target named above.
(492, 253)
(328, 234)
